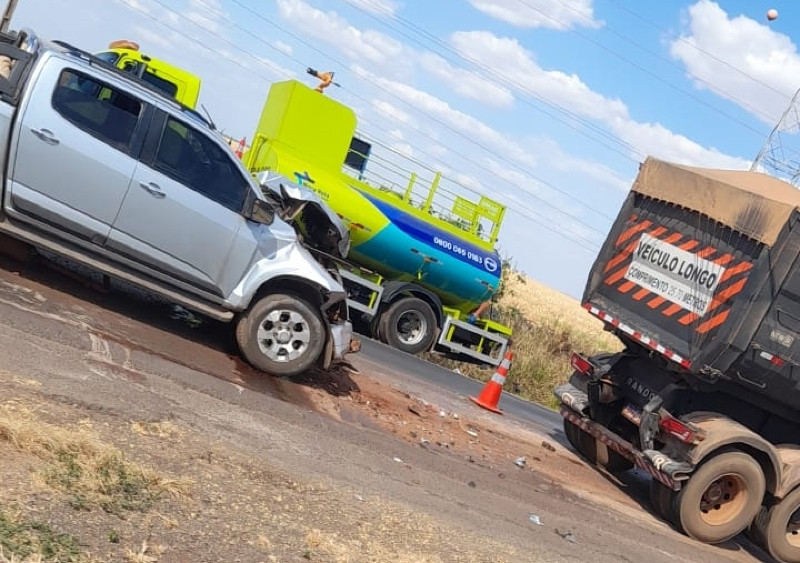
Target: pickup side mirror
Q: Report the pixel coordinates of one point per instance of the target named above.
(260, 211)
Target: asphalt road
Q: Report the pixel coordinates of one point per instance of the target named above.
(538, 417)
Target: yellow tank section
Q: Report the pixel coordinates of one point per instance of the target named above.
(317, 130)
(300, 120)
(398, 228)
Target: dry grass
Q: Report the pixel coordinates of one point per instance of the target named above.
(162, 429)
(548, 326)
(77, 463)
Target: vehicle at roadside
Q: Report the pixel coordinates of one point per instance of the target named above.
(104, 169)
(699, 277)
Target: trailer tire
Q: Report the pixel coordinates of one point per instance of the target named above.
(777, 528)
(721, 498)
(593, 450)
(281, 334)
(573, 434)
(409, 325)
(663, 500)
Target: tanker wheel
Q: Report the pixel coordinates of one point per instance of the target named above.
(721, 498)
(408, 325)
(777, 528)
(593, 450)
(663, 500)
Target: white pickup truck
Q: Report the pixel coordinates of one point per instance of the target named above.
(103, 169)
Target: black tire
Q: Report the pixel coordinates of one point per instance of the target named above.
(594, 451)
(408, 325)
(663, 500)
(281, 334)
(721, 497)
(777, 528)
(573, 433)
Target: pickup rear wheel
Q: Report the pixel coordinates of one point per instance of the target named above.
(281, 334)
(408, 325)
(777, 528)
(721, 498)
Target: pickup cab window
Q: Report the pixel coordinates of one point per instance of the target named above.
(98, 108)
(194, 160)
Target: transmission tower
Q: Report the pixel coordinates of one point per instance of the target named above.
(780, 155)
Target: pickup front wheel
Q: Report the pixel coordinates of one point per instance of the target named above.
(281, 334)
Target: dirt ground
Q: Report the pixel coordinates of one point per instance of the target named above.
(235, 509)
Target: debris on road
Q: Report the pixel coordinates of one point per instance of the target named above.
(520, 461)
(569, 536)
(398, 460)
(548, 446)
(535, 519)
(181, 314)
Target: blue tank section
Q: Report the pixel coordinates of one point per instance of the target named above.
(412, 249)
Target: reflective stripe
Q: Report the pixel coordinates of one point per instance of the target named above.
(636, 335)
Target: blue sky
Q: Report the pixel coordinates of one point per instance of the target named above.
(545, 105)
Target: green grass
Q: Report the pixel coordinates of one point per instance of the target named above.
(31, 541)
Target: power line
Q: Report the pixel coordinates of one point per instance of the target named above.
(654, 75)
(693, 45)
(445, 125)
(581, 243)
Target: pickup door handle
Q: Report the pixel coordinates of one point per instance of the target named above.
(153, 190)
(45, 135)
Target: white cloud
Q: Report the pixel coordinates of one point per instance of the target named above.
(391, 111)
(571, 95)
(739, 59)
(403, 148)
(564, 14)
(283, 47)
(208, 14)
(371, 46)
(443, 113)
(466, 83)
(376, 7)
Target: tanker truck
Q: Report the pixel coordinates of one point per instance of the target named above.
(699, 278)
(422, 253)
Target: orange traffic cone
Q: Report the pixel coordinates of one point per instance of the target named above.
(240, 149)
(490, 395)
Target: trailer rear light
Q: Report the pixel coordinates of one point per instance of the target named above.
(771, 358)
(581, 364)
(676, 428)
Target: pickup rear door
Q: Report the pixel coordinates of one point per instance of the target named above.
(76, 148)
(183, 213)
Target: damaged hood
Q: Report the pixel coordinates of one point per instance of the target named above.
(301, 206)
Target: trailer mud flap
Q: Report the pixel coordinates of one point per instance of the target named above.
(651, 462)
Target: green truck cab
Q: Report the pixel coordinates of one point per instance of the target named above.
(171, 80)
